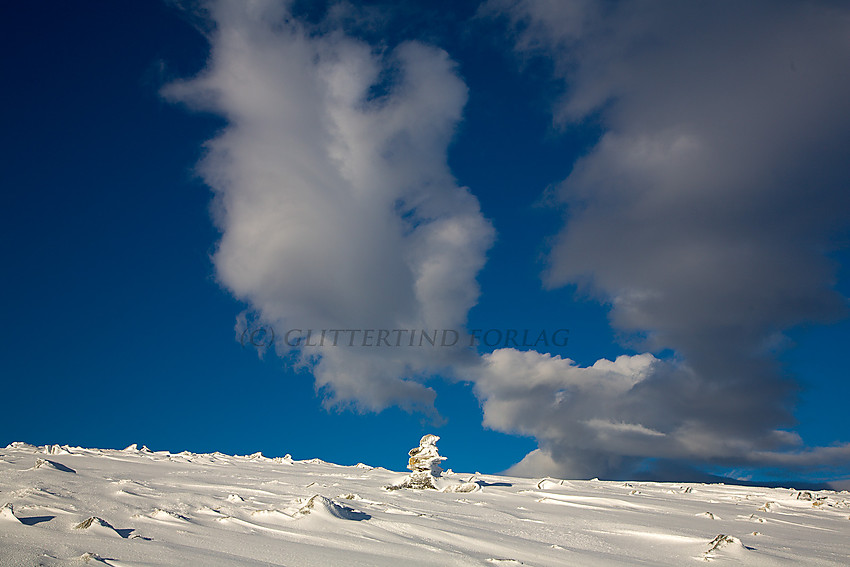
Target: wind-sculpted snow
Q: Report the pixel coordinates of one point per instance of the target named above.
(155, 508)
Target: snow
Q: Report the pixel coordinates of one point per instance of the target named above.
(143, 508)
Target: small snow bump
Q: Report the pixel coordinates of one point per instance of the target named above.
(160, 514)
(48, 464)
(7, 514)
(21, 445)
(548, 483)
(462, 487)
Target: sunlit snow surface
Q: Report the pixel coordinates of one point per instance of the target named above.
(65, 506)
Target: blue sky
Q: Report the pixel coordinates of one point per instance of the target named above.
(669, 185)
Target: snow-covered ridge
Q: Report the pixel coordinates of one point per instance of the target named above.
(134, 507)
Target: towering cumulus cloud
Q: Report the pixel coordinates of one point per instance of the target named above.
(333, 196)
(704, 216)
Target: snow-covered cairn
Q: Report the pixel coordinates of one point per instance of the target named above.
(425, 460)
(424, 464)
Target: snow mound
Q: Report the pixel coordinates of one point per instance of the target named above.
(423, 481)
(284, 460)
(549, 483)
(21, 445)
(270, 515)
(165, 515)
(726, 544)
(768, 507)
(415, 482)
(130, 448)
(48, 464)
(235, 498)
(88, 557)
(462, 487)
(7, 514)
(324, 507)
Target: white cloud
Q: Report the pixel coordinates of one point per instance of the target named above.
(336, 206)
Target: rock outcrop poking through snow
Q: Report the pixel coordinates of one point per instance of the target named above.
(322, 506)
(97, 525)
(724, 543)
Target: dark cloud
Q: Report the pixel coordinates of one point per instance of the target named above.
(705, 214)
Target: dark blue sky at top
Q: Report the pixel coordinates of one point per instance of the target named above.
(114, 328)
